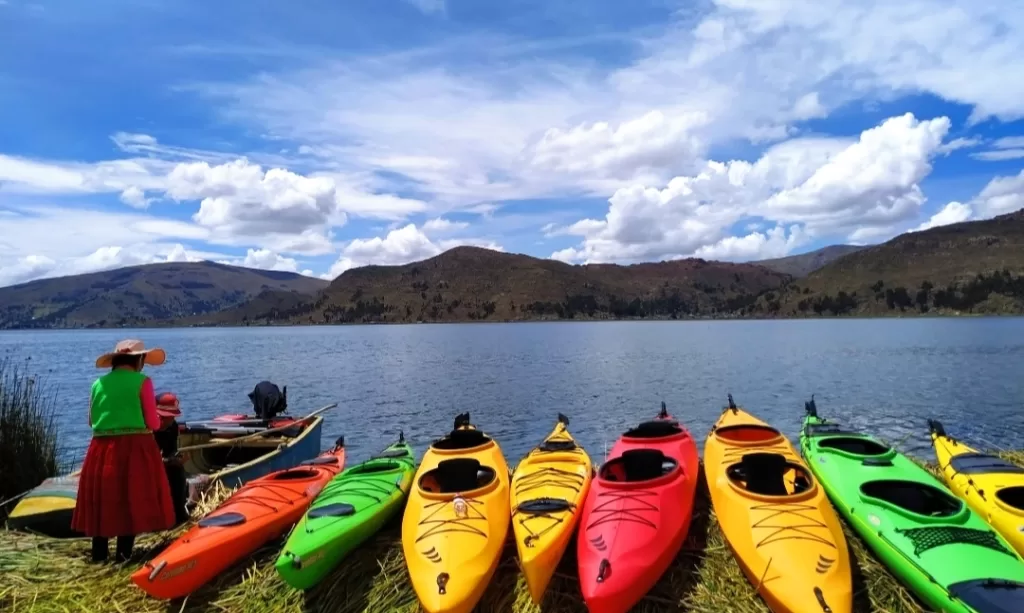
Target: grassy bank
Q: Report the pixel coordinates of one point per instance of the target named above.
(44, 575)
(29, 433)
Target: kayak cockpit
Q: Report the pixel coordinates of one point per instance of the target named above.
(637, 465)
(769, 474)
(1012, 497)
(990, 595)
(748, 434)
(912, 497)
(854, 445)
(457, 476)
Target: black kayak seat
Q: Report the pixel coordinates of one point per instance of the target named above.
(459, 474)
(764, 473)
(643, 464)
(980, 463)
(222, 520)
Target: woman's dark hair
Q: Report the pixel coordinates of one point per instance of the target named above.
(134, 361)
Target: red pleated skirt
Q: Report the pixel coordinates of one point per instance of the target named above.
(123, 488)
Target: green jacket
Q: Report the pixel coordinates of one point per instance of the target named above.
(116, 406)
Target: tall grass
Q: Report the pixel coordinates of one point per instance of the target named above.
(29, 449)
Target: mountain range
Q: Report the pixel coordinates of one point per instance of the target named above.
(970, 267)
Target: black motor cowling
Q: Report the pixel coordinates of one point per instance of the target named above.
(268, 400)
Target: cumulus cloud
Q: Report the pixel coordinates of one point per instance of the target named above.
(399, 246)
(268, 260)
(135, 197)
(860, 189)
(441, 225)
(954, 212)
(1001, 195)
(32, 267)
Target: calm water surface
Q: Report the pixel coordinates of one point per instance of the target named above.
(886, 376)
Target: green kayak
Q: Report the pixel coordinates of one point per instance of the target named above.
(351, 508)
(930, 540)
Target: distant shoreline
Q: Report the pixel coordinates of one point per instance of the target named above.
(159, 326)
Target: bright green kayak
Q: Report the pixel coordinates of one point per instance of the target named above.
(351, 508)
(930, 540)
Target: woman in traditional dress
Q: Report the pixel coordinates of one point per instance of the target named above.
(122, 490)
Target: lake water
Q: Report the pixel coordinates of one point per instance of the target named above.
(884, 375)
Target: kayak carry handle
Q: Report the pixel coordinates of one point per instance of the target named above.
(664, 410)
(811, 408)
(935, 427)
(563, 419)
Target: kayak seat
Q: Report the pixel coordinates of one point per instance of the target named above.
(557, 446)
(854, 444)
(1012, 497)
(912, 496)
(462, 439)
(980, 463)
(747, 434)
(222, 520)
(762, 473)
(334, 509)
(457, 475)
(638, 465)
(654, 429)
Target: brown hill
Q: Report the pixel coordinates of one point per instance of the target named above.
(969, 267)
(470, 283)
(138, 295)
(806, 263)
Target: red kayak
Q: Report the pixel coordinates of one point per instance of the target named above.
(637, 513)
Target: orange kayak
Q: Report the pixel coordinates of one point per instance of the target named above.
(260, 511)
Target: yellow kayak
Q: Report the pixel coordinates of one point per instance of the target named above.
(548, 488)
(456, 519)
(776, 519)
(993, 488)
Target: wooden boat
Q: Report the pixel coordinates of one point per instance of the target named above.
(48, 508)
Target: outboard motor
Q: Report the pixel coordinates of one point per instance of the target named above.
(268, 400)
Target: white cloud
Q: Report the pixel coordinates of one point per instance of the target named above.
(954, 212)
(135, 197)
(399, 246)
(441, 225)
(1001, 195)
(32, 267)
(963, 142)
(269, 260)
(813, 187)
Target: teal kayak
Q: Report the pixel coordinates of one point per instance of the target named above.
(350, 509)
(929, 539)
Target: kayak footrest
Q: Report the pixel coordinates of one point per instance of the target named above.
(335, 509)
(931, 537)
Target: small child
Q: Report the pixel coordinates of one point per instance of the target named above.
(168, 408)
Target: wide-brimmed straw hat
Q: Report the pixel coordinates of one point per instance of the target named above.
(154, 357)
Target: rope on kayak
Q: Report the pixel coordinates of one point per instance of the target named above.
(444, 526)
(627, 514)
(795, 531)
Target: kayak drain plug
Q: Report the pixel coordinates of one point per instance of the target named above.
(602, 571)
(442, 581)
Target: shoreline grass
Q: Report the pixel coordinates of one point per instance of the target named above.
(29, 434)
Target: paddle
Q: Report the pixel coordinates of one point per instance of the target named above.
(242, 439)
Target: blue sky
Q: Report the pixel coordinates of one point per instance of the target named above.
(319, 136)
